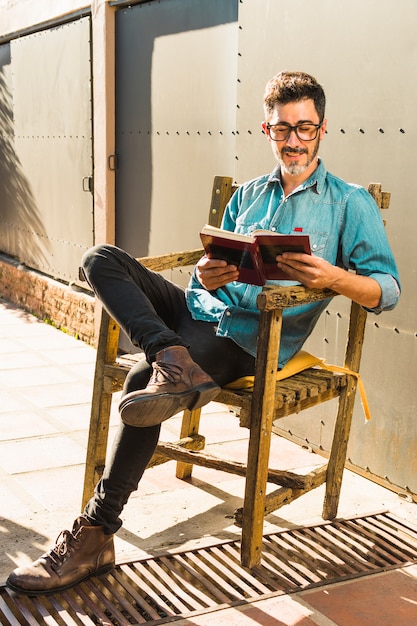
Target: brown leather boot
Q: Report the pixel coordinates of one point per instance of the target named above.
(85, 551)
(177, 383)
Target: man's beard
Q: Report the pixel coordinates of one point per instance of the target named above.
(293, 168)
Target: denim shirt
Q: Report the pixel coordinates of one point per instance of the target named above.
(345, 228)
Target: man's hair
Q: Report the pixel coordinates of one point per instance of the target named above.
(288, 87)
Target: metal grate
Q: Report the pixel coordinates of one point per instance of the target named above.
(173, 586)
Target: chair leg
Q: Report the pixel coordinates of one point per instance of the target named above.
(189, 426)
(260, 438)
(338, 452)
(100, 407)
(255, 494)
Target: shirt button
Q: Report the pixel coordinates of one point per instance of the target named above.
(228, 313)
(314, 246)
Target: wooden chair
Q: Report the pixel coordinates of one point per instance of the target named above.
(269, 401)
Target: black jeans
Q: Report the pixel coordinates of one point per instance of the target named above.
(153, 313)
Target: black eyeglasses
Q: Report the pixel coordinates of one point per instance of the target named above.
(304, 132)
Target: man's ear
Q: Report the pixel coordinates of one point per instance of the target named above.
(323, 129)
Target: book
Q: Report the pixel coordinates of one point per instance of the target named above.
(254, 255)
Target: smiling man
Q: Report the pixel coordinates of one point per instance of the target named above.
(205, 337)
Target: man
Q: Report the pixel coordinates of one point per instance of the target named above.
(198, 340)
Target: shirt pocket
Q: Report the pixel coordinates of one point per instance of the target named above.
(318, 241)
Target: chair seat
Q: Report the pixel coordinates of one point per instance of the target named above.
(292, 395)
(301, 391)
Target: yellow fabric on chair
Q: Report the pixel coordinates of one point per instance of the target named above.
(301, 361)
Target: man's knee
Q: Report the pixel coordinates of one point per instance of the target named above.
(95, 257)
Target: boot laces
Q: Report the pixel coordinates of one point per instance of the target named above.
(62, 548)
(169, 372)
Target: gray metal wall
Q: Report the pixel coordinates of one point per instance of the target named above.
(176, 64)
(190, 79)
(365, 54)
(46, 148)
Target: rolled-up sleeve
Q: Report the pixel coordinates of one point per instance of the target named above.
(390, 292)
(366, 248)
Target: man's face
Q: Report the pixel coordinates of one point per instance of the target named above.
(294, 155)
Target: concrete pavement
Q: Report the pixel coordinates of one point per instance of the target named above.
(45, 392)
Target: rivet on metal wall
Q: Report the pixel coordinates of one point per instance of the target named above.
(362, 131)
(342, 130)
(397, 330)
(381, 130)
(406, 496)
(402, 130)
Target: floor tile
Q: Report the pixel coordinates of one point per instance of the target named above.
(388, 599)
(22, 425)
(278, 611)
(41, 452)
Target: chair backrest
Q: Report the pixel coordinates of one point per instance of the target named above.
(223, 189)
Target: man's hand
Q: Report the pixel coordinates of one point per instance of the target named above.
(312, 271)
(215, 273)
(316, 273)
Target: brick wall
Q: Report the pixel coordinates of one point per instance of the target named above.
(66, 308)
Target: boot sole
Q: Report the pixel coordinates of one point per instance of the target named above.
(151, 410)
(47, 592)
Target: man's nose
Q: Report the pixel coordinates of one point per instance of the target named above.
(292, 139)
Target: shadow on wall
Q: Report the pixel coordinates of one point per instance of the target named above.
(137, 29)
(22, 233)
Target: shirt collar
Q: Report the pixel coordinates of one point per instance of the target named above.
(316, 179)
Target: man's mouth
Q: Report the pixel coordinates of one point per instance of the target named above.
(293, 153)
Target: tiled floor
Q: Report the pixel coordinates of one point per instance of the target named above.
(45, 392)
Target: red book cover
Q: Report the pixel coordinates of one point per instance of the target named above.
(254, 256)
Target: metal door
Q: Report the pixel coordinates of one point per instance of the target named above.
(176, 66)
(46, 164)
